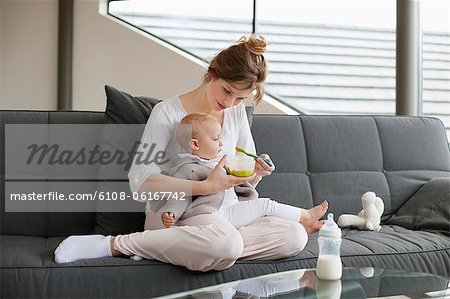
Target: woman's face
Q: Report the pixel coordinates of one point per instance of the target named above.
(222, 94)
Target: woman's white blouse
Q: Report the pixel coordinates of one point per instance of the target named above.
(160, 136)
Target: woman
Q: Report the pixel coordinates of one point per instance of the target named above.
(204, 242)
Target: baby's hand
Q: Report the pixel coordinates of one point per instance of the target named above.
(168, 219)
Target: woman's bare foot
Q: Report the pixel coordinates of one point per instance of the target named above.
(310, 218)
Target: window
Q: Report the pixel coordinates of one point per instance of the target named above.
(325, 56)
(199, 27)
(436, 60)
(331, 57)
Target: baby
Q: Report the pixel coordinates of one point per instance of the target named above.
(200, 134)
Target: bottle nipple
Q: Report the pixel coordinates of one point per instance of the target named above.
(330, 217)
(330, 228)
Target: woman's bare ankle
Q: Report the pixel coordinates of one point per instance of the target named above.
(311, 229)
(305, 218)
(114, 251)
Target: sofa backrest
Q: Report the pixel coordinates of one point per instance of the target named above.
(44, 224)
(337, 158)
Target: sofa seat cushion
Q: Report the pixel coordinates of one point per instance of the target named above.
(359, 247)
(30, 272)
(30, 251)
(27, 259)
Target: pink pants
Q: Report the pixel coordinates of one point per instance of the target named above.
(209, 242)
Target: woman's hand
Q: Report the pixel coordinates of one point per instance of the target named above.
(262, 168)
(218, 180)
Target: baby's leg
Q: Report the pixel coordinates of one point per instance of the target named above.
(245, 212)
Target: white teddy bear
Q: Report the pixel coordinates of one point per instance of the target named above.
(370, 216)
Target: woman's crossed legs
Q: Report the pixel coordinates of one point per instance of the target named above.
(202, 243)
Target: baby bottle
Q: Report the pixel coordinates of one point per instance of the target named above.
(329, 266)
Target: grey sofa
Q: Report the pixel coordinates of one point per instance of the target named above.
(337, 158)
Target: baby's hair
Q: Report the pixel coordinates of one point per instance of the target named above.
(191, 126)
(242, 62)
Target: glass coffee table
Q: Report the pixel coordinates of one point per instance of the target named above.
(355, 283)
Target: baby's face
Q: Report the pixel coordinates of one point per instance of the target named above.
(210, 141)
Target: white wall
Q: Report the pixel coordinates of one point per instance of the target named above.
(28, 54)
(104, 52)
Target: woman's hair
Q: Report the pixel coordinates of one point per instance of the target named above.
(242, 62)
(191, 126)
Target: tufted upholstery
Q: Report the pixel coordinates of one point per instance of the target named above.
(340, 158)
(337, 158)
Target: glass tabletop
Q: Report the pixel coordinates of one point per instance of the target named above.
(355, 283)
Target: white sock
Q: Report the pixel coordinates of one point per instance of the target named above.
(76, 248)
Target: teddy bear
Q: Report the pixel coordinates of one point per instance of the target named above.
(370, 216)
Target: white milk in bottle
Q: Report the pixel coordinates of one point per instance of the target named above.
(329, 265)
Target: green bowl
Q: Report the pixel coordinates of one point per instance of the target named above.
(241, 173)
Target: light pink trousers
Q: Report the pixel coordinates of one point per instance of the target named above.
(210, 242)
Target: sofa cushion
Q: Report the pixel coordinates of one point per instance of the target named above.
(26, 259)
(41, 223)
(354, 146)
(345, 160)
(415, 150)
(123, 108)
(32, 224)
(428, 209)
(67, 223)
(289, 183)
(393, 247)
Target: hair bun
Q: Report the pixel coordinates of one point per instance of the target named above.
(255, 44)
